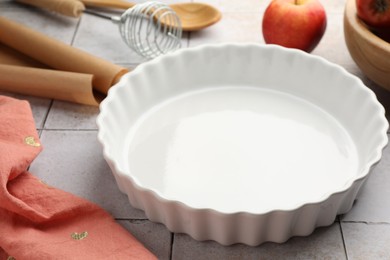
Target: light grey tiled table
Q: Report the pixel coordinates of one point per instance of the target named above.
(72, 157)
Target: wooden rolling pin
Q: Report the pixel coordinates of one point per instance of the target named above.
(58, 55)
(73, 8)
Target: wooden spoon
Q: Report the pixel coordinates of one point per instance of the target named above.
(193, 16)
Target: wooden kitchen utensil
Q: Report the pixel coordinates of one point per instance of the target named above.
(73, 8)
(193, 16)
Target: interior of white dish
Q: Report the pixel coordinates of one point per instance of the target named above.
(243, 128)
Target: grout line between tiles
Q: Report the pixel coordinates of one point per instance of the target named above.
(172, 241)
(76, 31)
(343, 239)
(138, 221)
(188, 39)
(132, 219)
(365, 222)
(71, 129)
(45, 118)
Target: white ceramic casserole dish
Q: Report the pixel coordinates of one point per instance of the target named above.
(241, 143)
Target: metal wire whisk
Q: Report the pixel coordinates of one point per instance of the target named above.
(150, 29)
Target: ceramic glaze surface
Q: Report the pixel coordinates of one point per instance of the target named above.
(227, 148)
(232, 148)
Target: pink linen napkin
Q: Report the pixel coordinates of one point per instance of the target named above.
(41, 222)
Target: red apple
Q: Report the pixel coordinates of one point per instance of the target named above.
(375, 13)
(296, 24)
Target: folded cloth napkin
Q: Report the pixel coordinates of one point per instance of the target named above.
(41, 222)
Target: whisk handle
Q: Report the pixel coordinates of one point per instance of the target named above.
(115, 19)
(108, 3)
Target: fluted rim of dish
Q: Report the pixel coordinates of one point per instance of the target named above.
(146, 199)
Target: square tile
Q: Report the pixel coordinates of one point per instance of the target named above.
(324, 243)
(102, 38)
(6, 4)
(373, 202)
(66, 115)
(332, 45)
(367, 241)
(73, 161)
(153, 236)
(331, 6)
(237, 5)
(51, 24)
(334, 6)
(234, 27)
